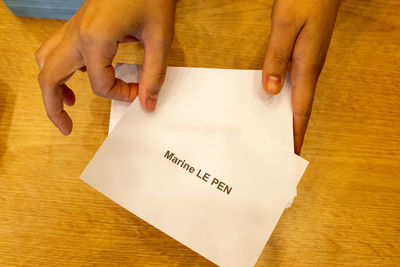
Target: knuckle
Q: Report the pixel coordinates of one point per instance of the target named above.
(154, 83)
(314, 63)
(281, 20)
(100, 91)
(159, 77)
(157, 80)
(43, 80)
(49, 115)
(101, 87)
(39, 57)
(313, 66)
(86, 37)
(51, 112)
(303, 113)
(87, 34)
(280, 58)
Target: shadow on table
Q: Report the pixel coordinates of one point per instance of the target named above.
(7, 104)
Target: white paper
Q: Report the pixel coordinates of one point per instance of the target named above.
(275, 112)
(228, 223)
(239, 91)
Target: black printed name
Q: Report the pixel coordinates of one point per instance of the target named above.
(199, 173)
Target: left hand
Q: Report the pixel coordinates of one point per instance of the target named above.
(300, 36)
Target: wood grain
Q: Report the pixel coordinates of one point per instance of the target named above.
(347, 209)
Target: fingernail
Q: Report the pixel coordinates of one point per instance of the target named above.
(151, 103)
(274, 84)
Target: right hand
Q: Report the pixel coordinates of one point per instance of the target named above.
(89, 41)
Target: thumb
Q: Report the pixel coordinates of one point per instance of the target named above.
(277, 59)
(153, 74)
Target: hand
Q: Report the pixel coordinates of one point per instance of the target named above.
(89, 41)
(300, 36)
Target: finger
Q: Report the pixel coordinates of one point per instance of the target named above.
(284, 32)
(58, 68)
(98, 60)
(303, 87)
(52, 95)
(153, 74)
(307, 62)
(68, 95)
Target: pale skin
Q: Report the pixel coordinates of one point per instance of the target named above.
(300, 37)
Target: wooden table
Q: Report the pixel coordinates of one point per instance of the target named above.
(347, 210)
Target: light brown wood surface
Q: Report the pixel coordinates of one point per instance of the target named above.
(347, 210)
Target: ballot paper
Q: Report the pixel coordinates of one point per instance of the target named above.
(202, 168)
(272, 114)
